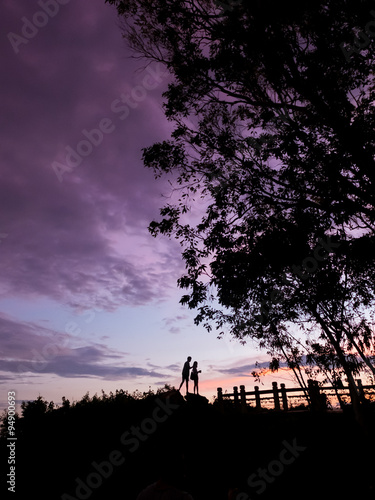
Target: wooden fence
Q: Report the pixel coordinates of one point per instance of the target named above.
(314, 395)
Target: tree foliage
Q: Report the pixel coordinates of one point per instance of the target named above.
(273, 105)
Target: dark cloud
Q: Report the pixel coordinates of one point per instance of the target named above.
(246, 370)
(70, 366)
(173, 367)
(27, 349)
(243, 370)
(67, 240)
(18, 340)
(6, 378)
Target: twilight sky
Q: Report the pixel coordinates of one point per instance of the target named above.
(88, 299)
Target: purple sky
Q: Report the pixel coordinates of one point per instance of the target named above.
(88, 298)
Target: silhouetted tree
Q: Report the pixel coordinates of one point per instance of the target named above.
(274, 115)
(34, 409)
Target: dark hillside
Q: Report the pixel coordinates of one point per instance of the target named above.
(112, 448)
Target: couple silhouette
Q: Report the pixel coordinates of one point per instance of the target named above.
(194, 375)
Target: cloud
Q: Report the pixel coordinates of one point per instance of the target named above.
(243, 371)
(246, 370)
(173, 367)
(66, 241)
(242, 366)
(174, 329)
(176, 323)
(174, 319)
(28, 348)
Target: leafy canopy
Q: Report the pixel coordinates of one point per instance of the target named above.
(274, 129)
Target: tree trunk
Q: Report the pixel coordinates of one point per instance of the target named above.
(354, 396)
(360, 352)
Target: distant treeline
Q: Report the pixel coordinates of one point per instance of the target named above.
(34, 411)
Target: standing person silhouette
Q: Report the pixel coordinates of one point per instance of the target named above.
(194, 375)
(185, 374)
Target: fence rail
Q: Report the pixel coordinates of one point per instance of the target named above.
(314, 395)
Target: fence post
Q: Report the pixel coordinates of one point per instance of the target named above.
(361, 392)
(312, 394)
(276, 396)
(220, 398)
(284, 397)
(257, 398)
(316, 398)
(243, 398)
(235, 396)
(220, 394)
